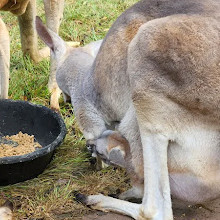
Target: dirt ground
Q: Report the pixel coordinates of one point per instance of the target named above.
(209, 211)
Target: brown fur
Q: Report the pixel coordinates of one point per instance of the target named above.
(17, 7)
(3, 3)
(115, 140)
(26, 12)
(181, 51)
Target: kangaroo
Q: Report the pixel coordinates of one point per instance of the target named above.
(26, 12)
(6, 211)
(157, 74)
(4, 59)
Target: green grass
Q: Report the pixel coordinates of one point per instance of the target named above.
(50, 195)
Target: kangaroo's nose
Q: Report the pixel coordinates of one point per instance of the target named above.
(91, 147)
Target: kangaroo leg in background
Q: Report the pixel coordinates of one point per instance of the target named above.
(4, 60)
(3, 3)
(54, 14)
(28, 32)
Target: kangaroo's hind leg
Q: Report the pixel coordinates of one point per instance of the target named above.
(28, 33)
(54, 15)
(4, 60)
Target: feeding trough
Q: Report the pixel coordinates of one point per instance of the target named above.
(48, 129)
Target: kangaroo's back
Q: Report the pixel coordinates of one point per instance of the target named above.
(111, 62)
(179, 56)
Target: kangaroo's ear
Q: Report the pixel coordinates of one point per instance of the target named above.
(51, 39)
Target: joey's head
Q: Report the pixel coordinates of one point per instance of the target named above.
(111, 147)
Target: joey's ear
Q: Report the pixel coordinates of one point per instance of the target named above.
(118, 147)
(116, 156)
(44, 33)
(50, 38)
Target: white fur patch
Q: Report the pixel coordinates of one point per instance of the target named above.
(5, 213)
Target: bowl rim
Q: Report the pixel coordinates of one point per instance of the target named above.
(42, 151)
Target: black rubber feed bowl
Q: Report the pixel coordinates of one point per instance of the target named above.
(48, 129)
